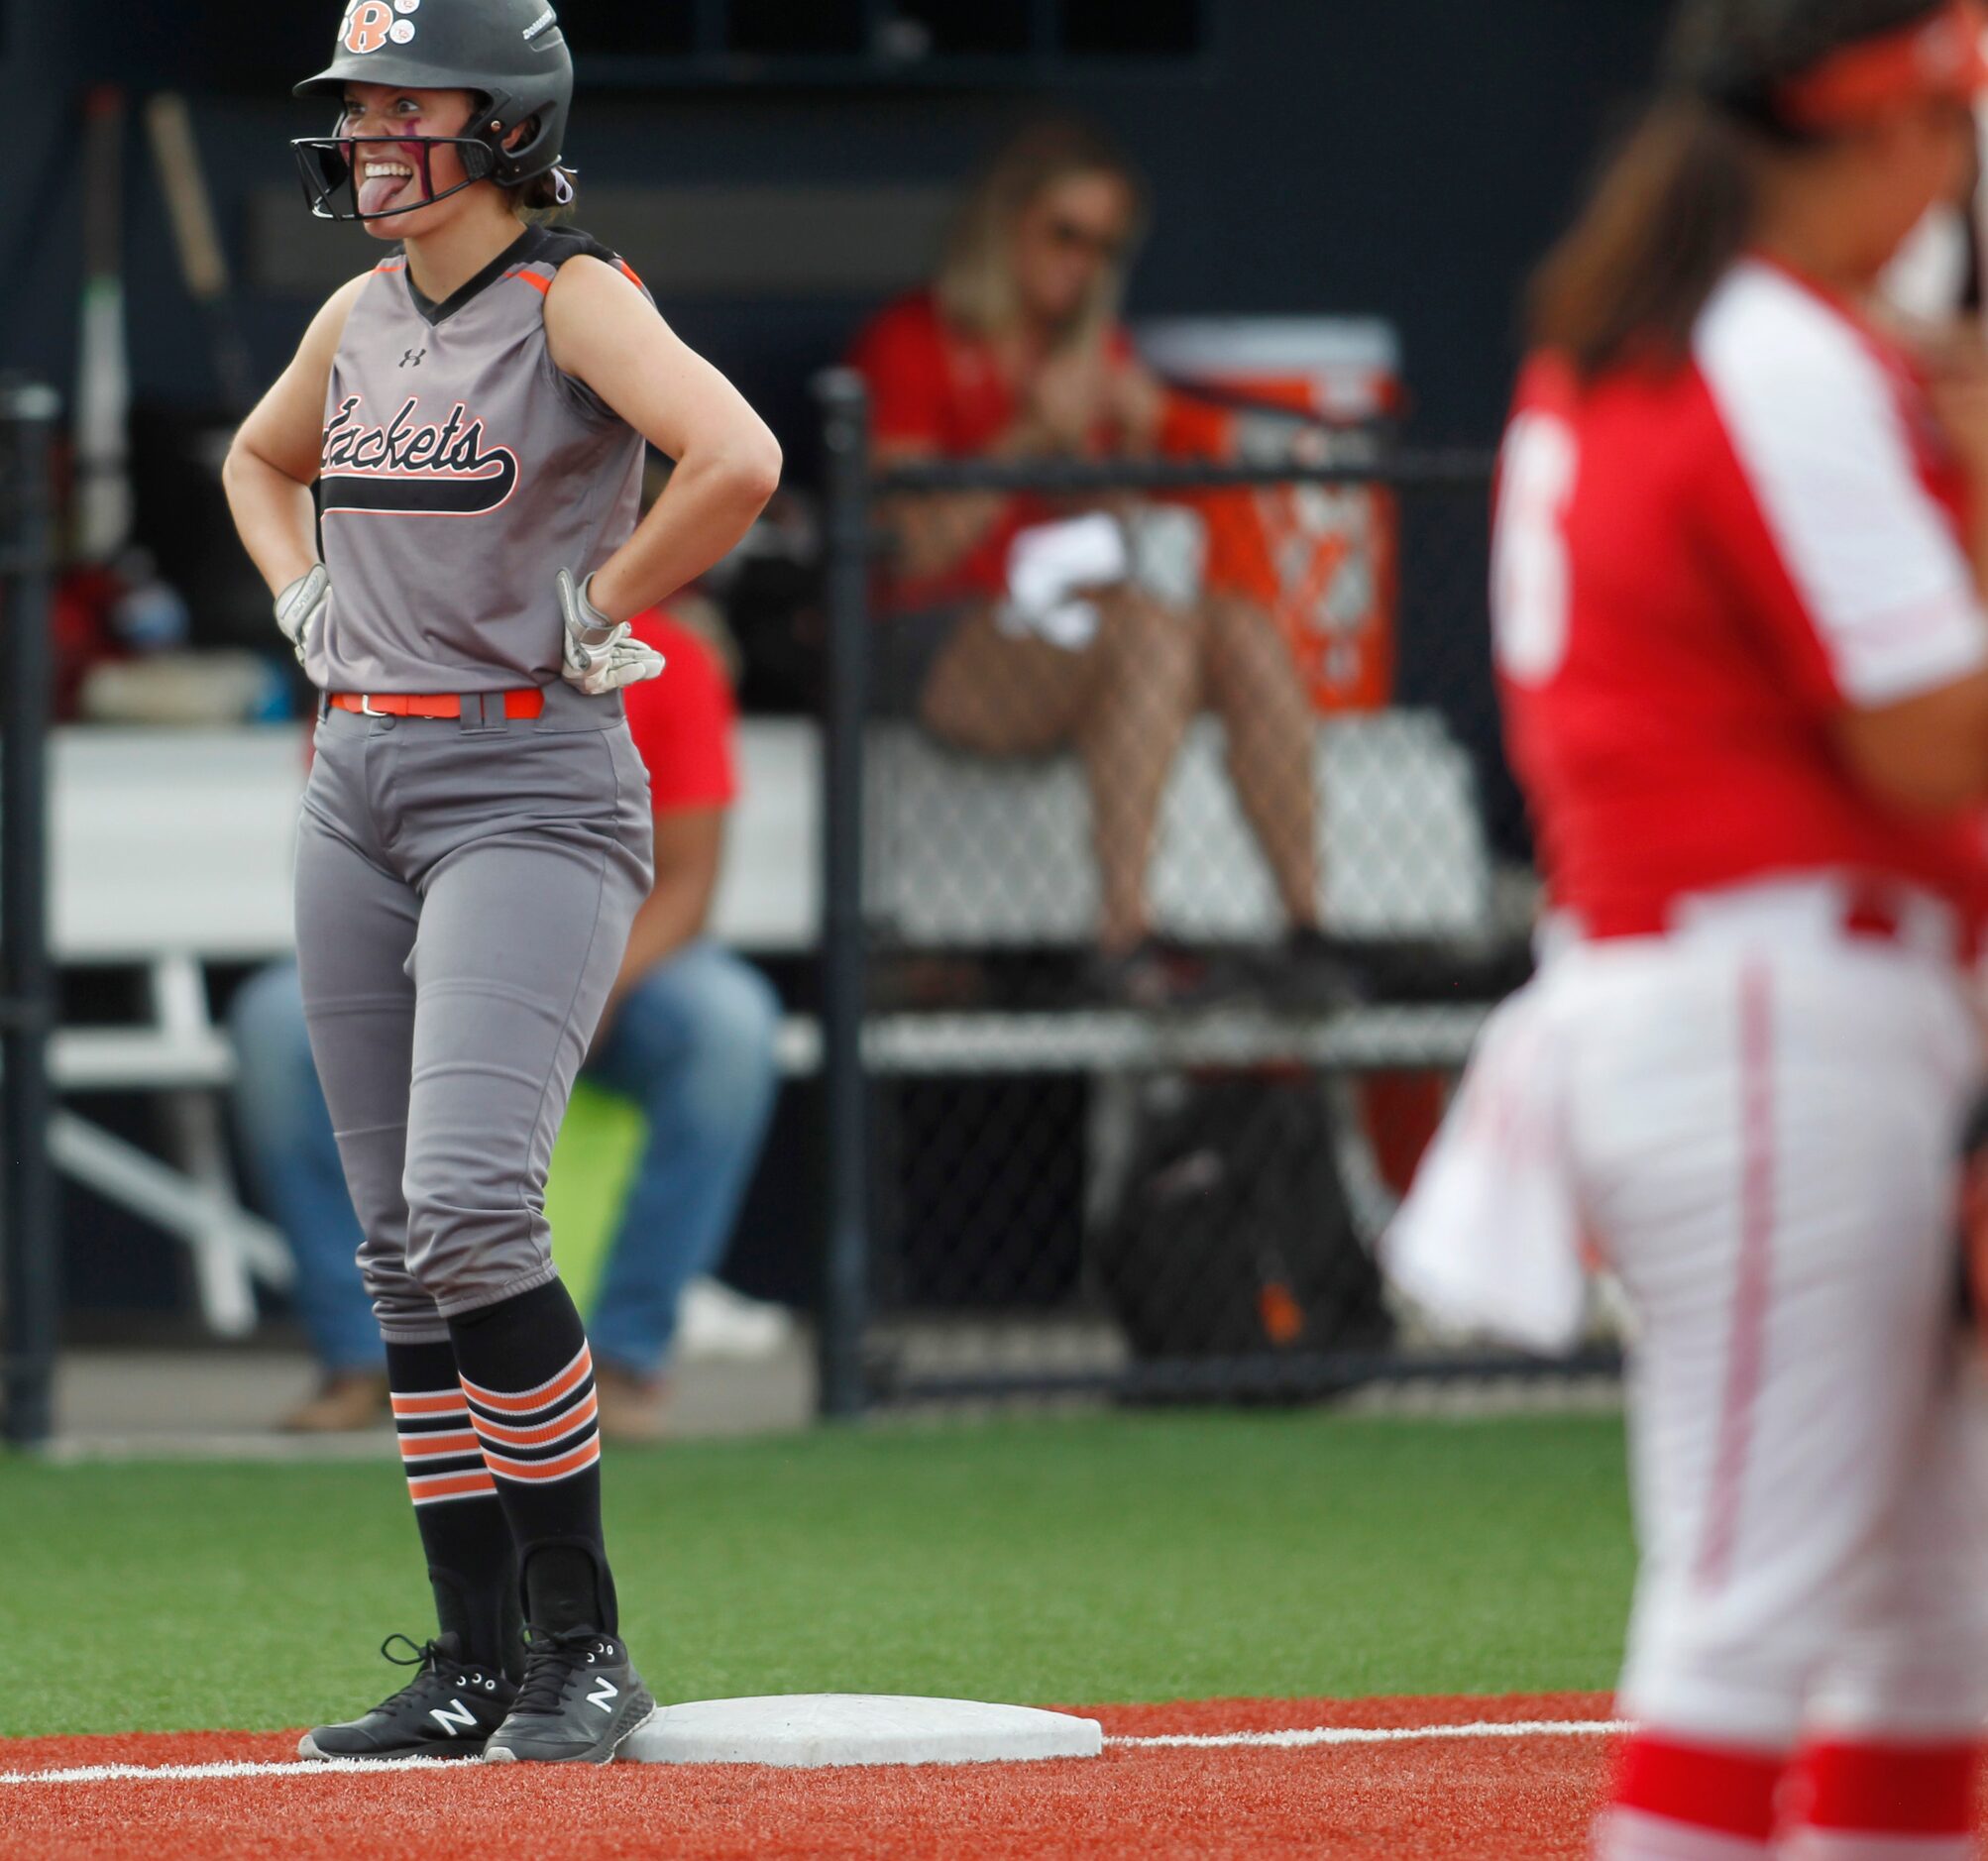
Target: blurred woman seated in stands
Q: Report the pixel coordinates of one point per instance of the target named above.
(1016, 632)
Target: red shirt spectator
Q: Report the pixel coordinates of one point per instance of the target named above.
(946, 390)
(682, 722)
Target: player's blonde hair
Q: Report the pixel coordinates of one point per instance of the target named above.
(976, 287)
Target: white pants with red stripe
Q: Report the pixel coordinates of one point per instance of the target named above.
(1763, 1138)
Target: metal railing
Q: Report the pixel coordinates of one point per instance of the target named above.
(1062, 1062)
(28, 1231)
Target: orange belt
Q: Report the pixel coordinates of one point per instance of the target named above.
(527, 702)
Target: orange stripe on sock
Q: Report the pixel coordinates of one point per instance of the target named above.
(427, 1446)
(442, 1403)
(450, 1487)
(571, 1422)
(578, 1461)
(530, 1401)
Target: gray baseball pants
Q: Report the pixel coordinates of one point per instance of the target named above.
(463, 893)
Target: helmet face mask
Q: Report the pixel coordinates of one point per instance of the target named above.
(510, 53)
(329, 166)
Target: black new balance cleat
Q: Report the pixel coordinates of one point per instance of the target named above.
(581, 1697)
(447, 1710)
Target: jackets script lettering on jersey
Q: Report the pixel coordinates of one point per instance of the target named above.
(409, 467)
(479, 423)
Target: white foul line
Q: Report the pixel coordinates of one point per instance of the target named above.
(1200, 1741)
(222, 1771)
(1374, 1735)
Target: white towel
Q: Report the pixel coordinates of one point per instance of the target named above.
(1488, 1239)
(1049, 565)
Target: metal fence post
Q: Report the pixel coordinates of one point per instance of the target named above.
(845, 1081)
(28, 1236)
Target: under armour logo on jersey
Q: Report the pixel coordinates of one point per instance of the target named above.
(412, 358)
(452, 1716)
(604, 1695)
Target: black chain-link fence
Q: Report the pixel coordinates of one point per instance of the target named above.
(1171, 870)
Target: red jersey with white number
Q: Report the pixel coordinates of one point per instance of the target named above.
(1697, 570)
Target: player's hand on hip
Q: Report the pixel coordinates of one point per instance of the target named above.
(599, 654)
(301, 609)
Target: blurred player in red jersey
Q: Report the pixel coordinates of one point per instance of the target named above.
(1739, 561)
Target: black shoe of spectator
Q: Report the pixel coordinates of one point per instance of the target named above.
(1307, 974)
(1155, 975)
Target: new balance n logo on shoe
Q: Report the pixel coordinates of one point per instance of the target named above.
(581, 1698)
(447, 1710)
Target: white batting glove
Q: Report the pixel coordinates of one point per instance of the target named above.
(600, 656)
(300, 607)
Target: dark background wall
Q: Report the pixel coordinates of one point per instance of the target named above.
(1401, 156)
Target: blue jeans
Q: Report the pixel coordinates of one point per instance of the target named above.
(691, 1043)
(294, 1169)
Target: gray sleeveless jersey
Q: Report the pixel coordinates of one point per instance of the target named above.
(462, 471)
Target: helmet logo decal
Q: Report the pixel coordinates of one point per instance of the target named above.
(368, 26)
(545, 19)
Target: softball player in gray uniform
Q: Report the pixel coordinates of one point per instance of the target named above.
(474, 840)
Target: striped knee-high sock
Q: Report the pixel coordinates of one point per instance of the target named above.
(528, 1378)
(472, 1564)
(1676, 1800)
(1876, 1801)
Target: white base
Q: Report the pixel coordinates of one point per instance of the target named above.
(825, 1728)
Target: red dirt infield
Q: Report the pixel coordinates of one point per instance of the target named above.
(1452, 1798)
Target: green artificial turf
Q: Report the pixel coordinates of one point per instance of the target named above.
(1109, 1558)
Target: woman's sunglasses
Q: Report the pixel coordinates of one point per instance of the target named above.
(1074, 236)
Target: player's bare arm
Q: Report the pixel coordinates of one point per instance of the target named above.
(602, 330)
(1926, 754)
(273, 460)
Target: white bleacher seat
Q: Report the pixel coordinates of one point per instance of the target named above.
(966, 851)
(182, 840)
